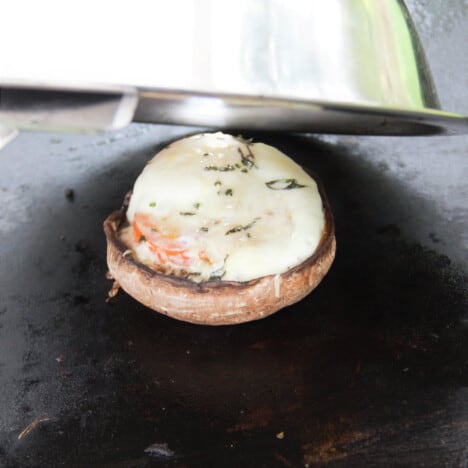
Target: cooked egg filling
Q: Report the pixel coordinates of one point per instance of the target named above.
(217, 207)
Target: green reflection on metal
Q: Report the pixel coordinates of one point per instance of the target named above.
(406, 56)
(396, 66)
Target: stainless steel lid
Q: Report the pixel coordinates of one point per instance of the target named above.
(335, 66)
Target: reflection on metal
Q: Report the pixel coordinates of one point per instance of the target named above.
(334, 66)
(65, 108)
(258, 113)
(346, 51)
(6, 135)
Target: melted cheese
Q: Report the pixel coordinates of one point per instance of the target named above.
(213, 206)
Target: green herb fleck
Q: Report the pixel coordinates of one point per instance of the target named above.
(218, 182)
(244, 170)
(197, 205)
(152, 204)
(228, 193)
(142, 239)
(218, 274)
(247, 160)
(186, 213)
(204, 229)
(241, 228)
(217, 277)
(227, 168)
(284, 184)
(154, 230)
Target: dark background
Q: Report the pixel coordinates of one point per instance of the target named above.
(369, 370)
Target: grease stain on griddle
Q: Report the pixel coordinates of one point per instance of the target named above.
(70, 194)
(159, 450)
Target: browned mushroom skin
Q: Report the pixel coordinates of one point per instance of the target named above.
(216, 302)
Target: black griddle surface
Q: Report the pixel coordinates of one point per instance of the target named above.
(371, 363)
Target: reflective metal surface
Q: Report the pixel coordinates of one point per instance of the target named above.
(263, 113)
(6, 135)
(340, 66)
(36, 106)
(338, 51)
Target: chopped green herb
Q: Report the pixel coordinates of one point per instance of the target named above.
(204, 229)
(284, 184)
(220, 272)
(142, 239)
(152, 204)
(244, 170)
(241, 228)
(186, 213)
(206, 154)
(197, 205)
(227, 168)
(247, 160)
(228, 193)
(217, 277)
(154, 230)
(251, 155)
(218, 182)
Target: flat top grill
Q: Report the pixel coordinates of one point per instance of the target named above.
(370, 365)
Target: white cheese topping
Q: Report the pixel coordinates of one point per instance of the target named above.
(213, 206)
